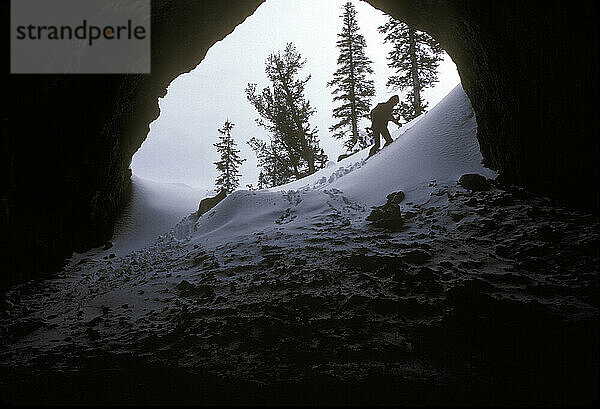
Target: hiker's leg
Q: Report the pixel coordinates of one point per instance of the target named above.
(375, 147)
(386, 136)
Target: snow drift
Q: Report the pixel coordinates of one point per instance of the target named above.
(439, 146)
(154, 209)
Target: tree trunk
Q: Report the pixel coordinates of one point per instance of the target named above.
(308, 154)
(414, 71)
(352, 90)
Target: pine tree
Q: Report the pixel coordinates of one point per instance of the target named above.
(274, 164)
(415, 57)
(285, 112)
(228, 178)
(352, 86)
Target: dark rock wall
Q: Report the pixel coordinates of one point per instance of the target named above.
(67, 140)
(529, 68)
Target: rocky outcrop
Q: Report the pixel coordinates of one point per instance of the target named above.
(473, 181)
(388, 216)
(345, 155)
(68, 140)
(209, 202)
(529, 69)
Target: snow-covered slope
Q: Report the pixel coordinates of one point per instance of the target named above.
(439, 146)
(154, 209)
(335, 170)
(442, 146)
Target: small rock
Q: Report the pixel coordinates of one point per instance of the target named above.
(503, 201)
(209, 202)
(482, 211)
(188, 289)
(112, 255)
(417, 257)
(92, 334)
(23, 328)
(503, 251)
(387, 216)
(472, 202)
(488, 225)
(7, 305)
(456, 216)
(384, 306)
(475, 182)
(185, 285)
(345, 155)
(355, 300)
(547, 233)
(533, 212)
(426, 274)
(396, 197)
(107, 246)
(93, 322)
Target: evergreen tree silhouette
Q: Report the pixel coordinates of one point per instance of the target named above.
(285, 112)
(273, 161)
(228, 178)
(415, 57)
(353, 88)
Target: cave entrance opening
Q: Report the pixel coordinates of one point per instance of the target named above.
(174, 169)
(179, 147)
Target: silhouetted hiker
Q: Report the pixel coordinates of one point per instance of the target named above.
(380, 115)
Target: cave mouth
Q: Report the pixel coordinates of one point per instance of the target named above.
(556, 340)
(525, 69)
(85, 182)
(179, 146)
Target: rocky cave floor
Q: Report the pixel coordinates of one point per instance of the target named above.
(478, 298)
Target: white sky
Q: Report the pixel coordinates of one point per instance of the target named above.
(179, 147)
